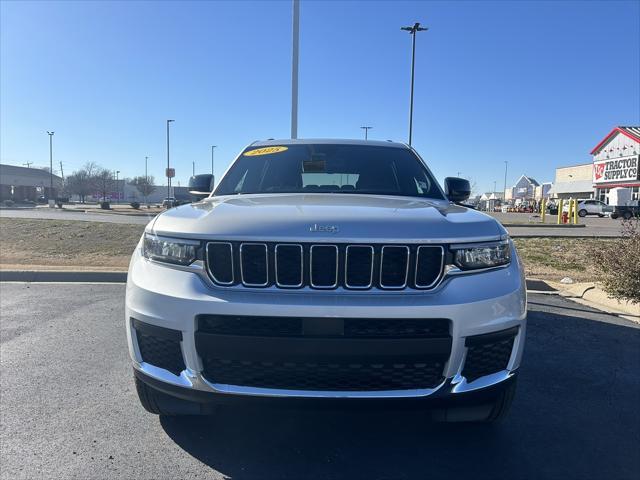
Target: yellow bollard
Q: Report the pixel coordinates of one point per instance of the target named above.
(575, 213)
(543, 209)
(570, 216)
(560, 202)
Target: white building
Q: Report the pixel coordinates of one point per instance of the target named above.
(616, 162)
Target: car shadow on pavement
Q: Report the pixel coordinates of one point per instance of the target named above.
(574, 416)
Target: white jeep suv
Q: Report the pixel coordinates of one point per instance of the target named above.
(327, 270)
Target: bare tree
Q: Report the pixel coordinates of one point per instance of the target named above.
(145, 185)
(83, 182)
(104, 182)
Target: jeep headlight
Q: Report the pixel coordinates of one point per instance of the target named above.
(485, 255)
(170, 250)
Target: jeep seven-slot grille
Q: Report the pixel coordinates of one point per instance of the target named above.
(325, 266)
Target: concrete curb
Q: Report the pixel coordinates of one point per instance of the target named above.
(62, 276)
(542, 225)
(533, 286)
(591, 295)
(585, 293)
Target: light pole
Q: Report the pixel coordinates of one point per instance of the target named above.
(412, 30)
(504, 192)
(168, 178)
(295, 40)
(146, 180)
(50, 166)
(366, 132)
(212, 147)
(117, 187)
(193, 168)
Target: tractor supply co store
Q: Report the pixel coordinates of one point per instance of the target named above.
(616, 163)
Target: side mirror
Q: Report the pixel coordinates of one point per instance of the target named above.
(457, 189)
(201, 186)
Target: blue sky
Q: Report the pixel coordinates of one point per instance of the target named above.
(535, 83)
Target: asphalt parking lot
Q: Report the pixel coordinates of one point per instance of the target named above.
(68, 408)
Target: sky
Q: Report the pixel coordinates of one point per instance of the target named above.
(536, 84)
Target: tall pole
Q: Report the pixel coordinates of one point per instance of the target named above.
(193, 168)
(504, 192)
(117, 187)
(212, 147)
(412, 30)
(146, 180)
(168, 165)
(294, 68)
(366, 132)
(50, 164)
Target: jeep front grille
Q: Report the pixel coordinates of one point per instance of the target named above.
(325, 266)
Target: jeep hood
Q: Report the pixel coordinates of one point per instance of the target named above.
(305, 218)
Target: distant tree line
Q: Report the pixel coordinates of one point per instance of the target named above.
(92, 179)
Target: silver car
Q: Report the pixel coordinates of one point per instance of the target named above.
(327, 271)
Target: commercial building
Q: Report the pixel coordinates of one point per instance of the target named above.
(523, 190)
(573, 181)
(616, 162)
(20, 183)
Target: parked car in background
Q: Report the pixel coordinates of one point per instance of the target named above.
(626, 211)
(593, 207)
(169, 202)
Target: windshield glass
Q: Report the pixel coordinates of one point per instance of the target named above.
(326, 168)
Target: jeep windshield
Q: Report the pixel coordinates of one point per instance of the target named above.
(329, 168)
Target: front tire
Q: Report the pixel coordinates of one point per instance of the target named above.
(582, 213)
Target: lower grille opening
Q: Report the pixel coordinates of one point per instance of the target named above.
(323, 354)
(325, 376)
(489, 353)
(295, 326)
(160, 346)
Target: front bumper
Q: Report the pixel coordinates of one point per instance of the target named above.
(476, 305)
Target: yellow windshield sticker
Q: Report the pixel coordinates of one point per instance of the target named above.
(264, 151)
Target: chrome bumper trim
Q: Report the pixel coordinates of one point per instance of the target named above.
(195, 381)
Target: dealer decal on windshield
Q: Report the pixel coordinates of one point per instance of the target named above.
(264, 151)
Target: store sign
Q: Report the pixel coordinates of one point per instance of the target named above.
(623, 169)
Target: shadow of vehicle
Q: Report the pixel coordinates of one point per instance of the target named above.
(574, 416)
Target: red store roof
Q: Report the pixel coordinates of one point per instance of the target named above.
(632, 132)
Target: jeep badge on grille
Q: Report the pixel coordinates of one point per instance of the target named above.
(323, 228)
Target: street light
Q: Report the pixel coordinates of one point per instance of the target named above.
(504, 192)
(412, 30)
(168, 166)
(146, 181)
(366, 132)
(50, 166)
(295, 40)
(212, 147)
(117, 187)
